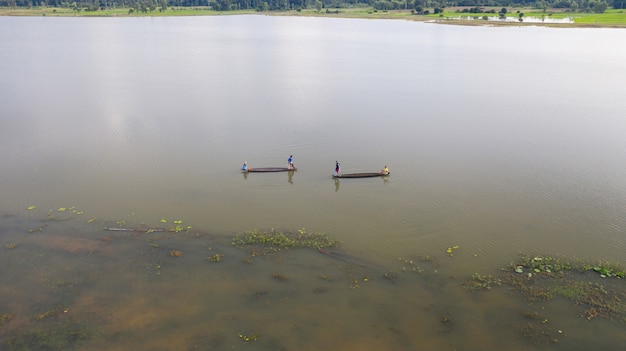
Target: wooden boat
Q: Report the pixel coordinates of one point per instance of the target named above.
(360, 175)
(271, 169)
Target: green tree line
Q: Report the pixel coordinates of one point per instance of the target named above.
(285, 5)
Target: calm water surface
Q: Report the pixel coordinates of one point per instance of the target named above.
(500, 141)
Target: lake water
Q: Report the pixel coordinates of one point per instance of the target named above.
(500, 142)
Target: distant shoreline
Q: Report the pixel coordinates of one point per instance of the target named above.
(609, 19)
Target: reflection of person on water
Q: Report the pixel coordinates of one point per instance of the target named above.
(290, 162)
(337, 170)
(385, 171)
(245, 166)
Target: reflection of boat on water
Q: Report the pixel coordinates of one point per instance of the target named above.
(360, 175)
(271, 169)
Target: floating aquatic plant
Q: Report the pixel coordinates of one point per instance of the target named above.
(38, 229)
(608, 270)
(594, 299)
(546, 264)
(215, 258)
(450, 249)
(280, 240)
(248, 338)
(481, 282)
(410, 266)
(541, 264)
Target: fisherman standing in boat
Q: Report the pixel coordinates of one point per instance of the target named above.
(245, 166)
(337, 170)
(290, 162)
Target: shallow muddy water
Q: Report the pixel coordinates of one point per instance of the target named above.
(72, 285)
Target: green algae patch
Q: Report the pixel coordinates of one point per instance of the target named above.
(481, 282)
(216, 258)
(545, 278)
(540, 264)
(279, 240)
(608, 270)
(595, 291)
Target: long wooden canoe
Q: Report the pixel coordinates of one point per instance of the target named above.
(360, 175)
(271, 169)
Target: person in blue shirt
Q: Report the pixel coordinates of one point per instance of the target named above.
(290, 162)
(245, 166)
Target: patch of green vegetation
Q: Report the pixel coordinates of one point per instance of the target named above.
(528, 288)
(538, 332)
(420, 264)
(248, 337)
(540, 264)
(216, 258)
(609, 270)
(481, 282)
(543, 278)
(609, 17)
(278, 240)
(597, 300)
(410, 266)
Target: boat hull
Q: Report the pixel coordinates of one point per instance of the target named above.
(360, 175)
(271, 169)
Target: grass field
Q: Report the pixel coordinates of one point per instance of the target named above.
(611, 18)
